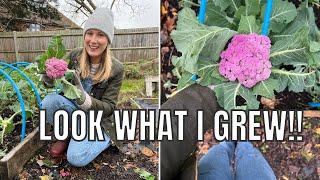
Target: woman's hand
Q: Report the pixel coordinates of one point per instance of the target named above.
(78, 84)
(48, 82)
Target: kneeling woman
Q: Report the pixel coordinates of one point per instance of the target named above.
(99, 79)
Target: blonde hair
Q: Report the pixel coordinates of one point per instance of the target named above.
(104, 71)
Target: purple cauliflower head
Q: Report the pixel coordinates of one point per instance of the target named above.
(55, 68)
(246, 59)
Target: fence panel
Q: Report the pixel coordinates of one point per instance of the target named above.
(129, 45)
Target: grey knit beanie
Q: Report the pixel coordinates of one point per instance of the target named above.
(101, 19)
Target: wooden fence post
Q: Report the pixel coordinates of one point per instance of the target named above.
(16, 50)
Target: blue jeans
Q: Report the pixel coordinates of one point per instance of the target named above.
(80, 153)
(249, 163)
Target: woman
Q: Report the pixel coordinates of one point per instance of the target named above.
(99, 80)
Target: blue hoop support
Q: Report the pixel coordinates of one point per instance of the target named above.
(35, 90)
(22, 106)
(16, 64)
(266, 19)
(202, 12)
(314, 104)
(201, 19)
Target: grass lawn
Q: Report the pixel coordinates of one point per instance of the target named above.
(130, 88)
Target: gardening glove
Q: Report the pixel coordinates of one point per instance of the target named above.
(48, 82)
(84, 102)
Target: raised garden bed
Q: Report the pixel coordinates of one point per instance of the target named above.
(145, 103)
(12, 163)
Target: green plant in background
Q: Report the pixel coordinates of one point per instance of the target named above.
(56, 52)
(7, 125)
(55, 49)
(143, 174)
(8, 96)
(132, 71)
(294, 37)
(141, 69)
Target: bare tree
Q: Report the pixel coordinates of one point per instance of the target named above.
(88, 6)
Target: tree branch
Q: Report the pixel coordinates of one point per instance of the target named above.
(112, 4)
(92, 4)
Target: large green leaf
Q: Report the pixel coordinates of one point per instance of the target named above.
(229, 93)
(70, 91)
(224, 4)
(266, 88)
(56, 48)
(251, 8)
(185, 80)
(305, 17)
(248, 25)
(190, 38)
(314, 46)
(217, 17)
(209, 73)
(283, 12)
(295, 80)
(291, 49)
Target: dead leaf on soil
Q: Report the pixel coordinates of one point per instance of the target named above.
(294, 169)
(112, 166)
(24, 175)
(47, 163)
(45, 177)
(40, 163)
(311, 113)
(204, 149)
(308, 147)
(64, 173)
(294, 155)
(154, 160)
(317, 131)
(270, 103)
(307, 155)
(147, 152)
(97, 166)
(129, 166)
(40, 157)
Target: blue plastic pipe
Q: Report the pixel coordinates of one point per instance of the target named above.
(202, 12)
(35, 90)
(22, 106)
(314, 104)
(201, 19)
(266, 20)
(20, 64)
(17, 64)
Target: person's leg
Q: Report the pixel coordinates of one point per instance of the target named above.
(81, 153)
(216, 164)
(54, 102)
(250, 163)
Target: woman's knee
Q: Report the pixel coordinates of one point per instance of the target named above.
(50, 100)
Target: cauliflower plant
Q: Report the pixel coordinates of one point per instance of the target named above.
(56, 68)
(246, 59)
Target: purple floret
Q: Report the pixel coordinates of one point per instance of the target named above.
(246, 59)
(55, 68)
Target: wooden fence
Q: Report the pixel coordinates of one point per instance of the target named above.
(129, 45)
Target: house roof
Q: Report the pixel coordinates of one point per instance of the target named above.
(61, 22)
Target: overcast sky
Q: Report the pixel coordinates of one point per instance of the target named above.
(146, 13)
